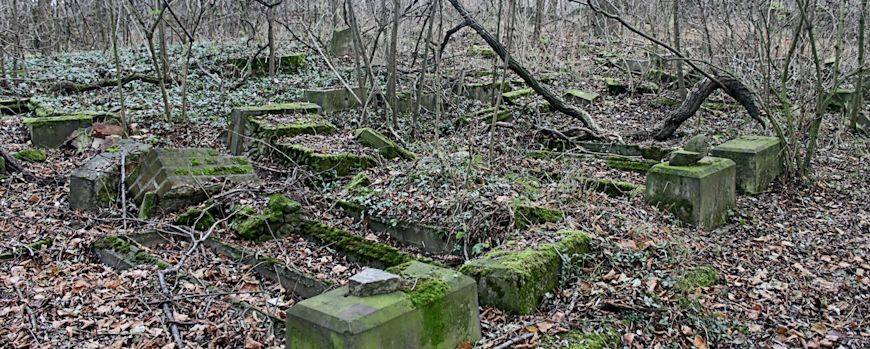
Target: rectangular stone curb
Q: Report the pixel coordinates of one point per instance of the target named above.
(354, 247)
(758, 160)
(428, 237)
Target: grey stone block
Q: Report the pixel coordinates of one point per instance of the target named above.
(95, 184)
(758, 160)
(700, 194)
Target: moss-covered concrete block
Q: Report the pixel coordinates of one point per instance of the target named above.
(482, 91)
(481, 51)
(615, 86)
(758, 160)
(581, 97)
(53, 131)
(340, 164)
(12, 106)
(341, 42)
(526, 215)
(31, 155)
(511, 97)
(700, 194)
(438, 309)
(247, 124)
(426, 236)
(280, 216)
(182, 177)
(96, 183)
(385, 146)
(517, 281)
(335, 99)
(355, 247)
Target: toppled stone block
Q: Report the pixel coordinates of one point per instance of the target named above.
(485, 116)
(684, 158)
(248, 124)
(512, 97)
(53, 131)
(95, 184)
(182, 177)
(437, 310)
(355, 247)
(335, 99)
(527, 215)
(516, 281)
(385, 146)
(647, 152)
(581, 97)
(701, 194)
(340, 164)
(481, 51)
(341, 43)
(372, 282)
(281, 216)
(758, 159)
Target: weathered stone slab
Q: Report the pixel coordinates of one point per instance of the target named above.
(528, 214)
(244, 124)
(647, 152)
(700, 194)
(385, 146)
(439, 310)
(335, 99)
(516, 281)
(53, 131)
(758, 160)
(373, 282)
(95, 184)
(183, 177)
(354, 247)
(481, 51)
(339, 164)
(482, 91)
(428, 237)
(581, 97)
(512, 97)
(341, 42)
(615, 86)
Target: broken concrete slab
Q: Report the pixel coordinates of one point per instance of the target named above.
(483, 51)
(182, 177)
(373, 282)
(512, 97)
(527, 215)
(341, 42)
(280, 216)
(247, 124)
(758, 159)
(701, 194)
(615, 86)
(385, 146)
(338, 164)
(647, 152)
(95, 185)
(439, 310)
(516, 281)
(53, 131)
(685, 158)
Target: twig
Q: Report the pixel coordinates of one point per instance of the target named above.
(123, 188)
(514, 340)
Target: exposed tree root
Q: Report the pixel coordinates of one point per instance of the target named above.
(699, 94)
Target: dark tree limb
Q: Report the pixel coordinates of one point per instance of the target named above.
(557, 103)
(450, 33)
(696, 97)
(12, 165)
(69, 86)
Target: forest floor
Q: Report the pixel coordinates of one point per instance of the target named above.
(791, 266)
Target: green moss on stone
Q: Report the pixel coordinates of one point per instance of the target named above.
(195, 162)
(628, 164)
(359, 181)
(2, 165)
(215, 170)
(703, 276)
(482, 51)
(280, 213)
(31, 155)
(516, 94)
(196, 218)
(38, 122)
(527, 215)
(354, 244)
(148, 205)
(385, 146)
(114, 243)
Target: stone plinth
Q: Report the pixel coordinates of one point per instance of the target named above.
(758, 161)
(244, 124)
(438, 309)
(516, 281)
(184, 177)
(700, 194)
(53, 131)
(95, 184)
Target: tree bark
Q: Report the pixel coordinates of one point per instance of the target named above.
(699, 94)
(557, 103)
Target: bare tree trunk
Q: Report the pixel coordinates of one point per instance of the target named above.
(681, 82)
(116, 16)
(270, 19)
(858, 96)
(164, 73)
(391, 62)
(539, 14)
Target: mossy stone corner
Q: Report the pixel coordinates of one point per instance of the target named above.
(355, 247)
(512, 97)
(701, 194)
(385, 146)
(758, 159)
(182, 177)
(246, 125)
(429, 237)
(95, 184)
(516, 282)
(481, 51)
(31, 155)
(527, 215)
(341, 42)
(281, 216)
(581, 97)
(438, 309)
(615, 86)
(335, 99)
(53, 131)
(339, 164)
(196, 218)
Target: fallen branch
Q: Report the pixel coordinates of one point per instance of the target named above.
(699, 94)
(557, 103)
(69, 86)
(514, 340)
(12, 165)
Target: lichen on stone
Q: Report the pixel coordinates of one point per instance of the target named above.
(31, 155)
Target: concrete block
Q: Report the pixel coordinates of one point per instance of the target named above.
(700, 194)
(758, 160)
